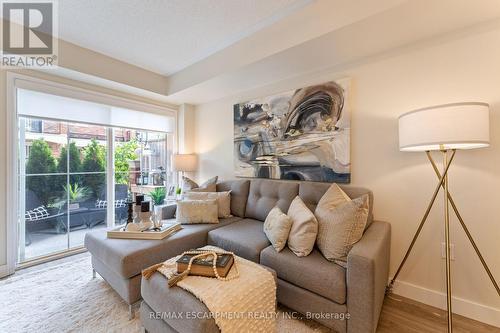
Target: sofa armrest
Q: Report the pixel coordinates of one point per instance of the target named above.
(367, 276)
(168, 212)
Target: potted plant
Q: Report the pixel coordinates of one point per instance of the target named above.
(77, 194)
(158, 196)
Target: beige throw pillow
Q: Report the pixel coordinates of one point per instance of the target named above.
(223, 200)
(304, 228)
(340, 228)
(332, 198)
(189, 185)
(277, 227)
(197, 211)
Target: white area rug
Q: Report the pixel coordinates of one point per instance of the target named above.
(65, 298)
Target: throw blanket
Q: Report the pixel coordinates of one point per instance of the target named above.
(245, 304)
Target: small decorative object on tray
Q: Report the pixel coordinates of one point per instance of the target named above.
(144, 231)
(204, 266)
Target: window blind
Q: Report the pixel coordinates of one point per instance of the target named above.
(49, 106)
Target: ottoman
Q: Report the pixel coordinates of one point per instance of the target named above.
(165, 309)
(120, 261)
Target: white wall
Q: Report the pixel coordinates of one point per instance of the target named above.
(185, 126)
(465, 68)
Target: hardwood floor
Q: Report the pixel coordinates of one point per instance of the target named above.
(401, 315)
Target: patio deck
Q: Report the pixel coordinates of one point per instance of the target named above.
(44, 244)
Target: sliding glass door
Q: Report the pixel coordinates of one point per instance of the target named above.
(63, 172)
(62, 183)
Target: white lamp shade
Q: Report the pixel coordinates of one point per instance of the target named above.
(184, 162)
(449, 126)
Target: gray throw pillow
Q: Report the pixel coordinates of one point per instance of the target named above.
(340, 228)
(277, 227)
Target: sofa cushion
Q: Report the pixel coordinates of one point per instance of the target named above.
(312, 192)
(239, 194)
(313, 272)
(127, 257)
(245, 238)
(162, 299)
(265, 194)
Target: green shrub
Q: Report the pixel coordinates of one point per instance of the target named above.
(124, 152)
(75, 162)
(40, 160)
(94, 160)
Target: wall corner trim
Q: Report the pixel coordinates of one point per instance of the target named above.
(4, 271)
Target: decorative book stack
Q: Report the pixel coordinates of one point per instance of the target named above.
(204, 266)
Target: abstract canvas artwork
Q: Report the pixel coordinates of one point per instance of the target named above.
(302, 134)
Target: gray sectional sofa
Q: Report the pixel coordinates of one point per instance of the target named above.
(306, 284)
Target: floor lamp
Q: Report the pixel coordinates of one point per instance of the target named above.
(445, 128)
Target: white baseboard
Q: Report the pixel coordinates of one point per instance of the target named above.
(463, 307)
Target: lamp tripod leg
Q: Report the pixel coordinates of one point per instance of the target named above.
(447, 241)
(462, 223)
(422, 222)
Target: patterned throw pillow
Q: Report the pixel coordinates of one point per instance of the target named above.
(340, 228)
(277, 228)
(304, 228)
(36, 213)
(197, 211)
(101, 204)
(189, 185)
(104, 204)
(223, 200)
(120, 203)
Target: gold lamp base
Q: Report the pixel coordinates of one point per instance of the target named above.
(448, 200)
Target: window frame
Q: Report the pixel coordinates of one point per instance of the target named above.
(15, 81)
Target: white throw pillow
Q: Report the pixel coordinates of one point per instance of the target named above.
(223, 201)
(277, 228)
(197, 211)
(304, 228)
(341, 227)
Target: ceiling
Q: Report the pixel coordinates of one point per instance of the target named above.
(166, 36)
(207, 52)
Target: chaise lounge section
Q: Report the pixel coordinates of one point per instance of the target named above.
(309, 284)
